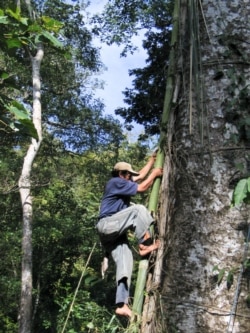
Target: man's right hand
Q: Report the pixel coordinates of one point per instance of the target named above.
(157, 172)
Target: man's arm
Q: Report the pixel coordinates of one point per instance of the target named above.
(145, 170)
(156, 172)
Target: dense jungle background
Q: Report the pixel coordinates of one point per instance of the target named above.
(58, 147)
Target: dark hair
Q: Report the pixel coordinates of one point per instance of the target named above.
(115, 173)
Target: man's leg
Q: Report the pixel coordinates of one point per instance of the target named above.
(135, 217)
(138, 218)
(123, 259)
(122, 294)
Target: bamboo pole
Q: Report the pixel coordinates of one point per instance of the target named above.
(140, 284)
(153, 201)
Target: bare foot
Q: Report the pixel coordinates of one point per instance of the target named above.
(124, 311)
(144, 250)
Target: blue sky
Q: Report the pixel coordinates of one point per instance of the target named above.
(116, 76)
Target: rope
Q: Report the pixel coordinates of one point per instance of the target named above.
(237, 291)
(77, 288)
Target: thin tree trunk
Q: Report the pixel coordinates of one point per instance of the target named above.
(25, 313)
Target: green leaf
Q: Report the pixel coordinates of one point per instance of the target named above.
(68, 55)
(18, 110)
(3, 19)
(26, 126)
(51, 24)
(52, 38)
(4, 75)
(34, 28)
(230, 279)
(241, 191)
(13, 42)
(23, 122)
(16, 15)
(220, 276)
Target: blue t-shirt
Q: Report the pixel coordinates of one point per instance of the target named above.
(117, 196)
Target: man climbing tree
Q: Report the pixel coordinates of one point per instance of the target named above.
(117, 217)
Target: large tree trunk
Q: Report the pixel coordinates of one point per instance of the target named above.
(209, 152)
(25, 312)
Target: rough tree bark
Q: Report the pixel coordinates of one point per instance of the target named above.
(202, 289)
(25, 312)
(148, 322)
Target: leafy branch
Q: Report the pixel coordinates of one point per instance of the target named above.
(19, 32)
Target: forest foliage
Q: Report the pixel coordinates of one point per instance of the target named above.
(80, 146)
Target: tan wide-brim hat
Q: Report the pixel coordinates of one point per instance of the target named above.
(123, 166)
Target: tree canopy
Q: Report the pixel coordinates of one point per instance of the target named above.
(69, 109)
(154, 18)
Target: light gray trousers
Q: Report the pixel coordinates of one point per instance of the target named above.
(113, 235)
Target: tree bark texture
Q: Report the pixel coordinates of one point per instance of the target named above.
(148, 322)
(204, 286)
(25, 312)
